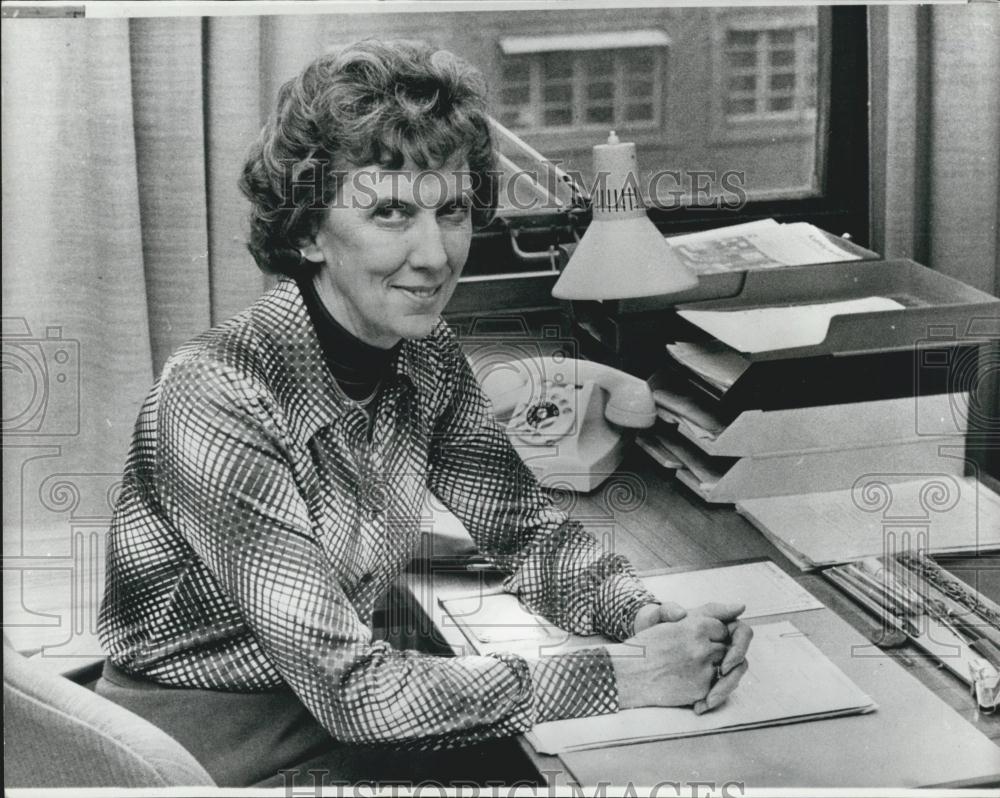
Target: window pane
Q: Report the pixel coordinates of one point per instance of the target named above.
(781, 58)
(741, 38)
(558, 116)
(557, 65)
(598, 62)
(640, 88)
(639, 113)
(557, 93)
(515, 70)
(517, 117)
(780, 104)
(785, 80)
(742, 59)
(514, 95)
(739, 83)
(740, 106)
(639, 60)
(600, 113)
(782, 36)
(601, 91)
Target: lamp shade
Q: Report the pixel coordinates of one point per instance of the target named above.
(621, 254)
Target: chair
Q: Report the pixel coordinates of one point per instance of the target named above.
(60, 734)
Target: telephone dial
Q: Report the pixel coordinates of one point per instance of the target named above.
(568, 419)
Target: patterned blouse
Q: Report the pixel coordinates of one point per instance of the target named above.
(261, 520)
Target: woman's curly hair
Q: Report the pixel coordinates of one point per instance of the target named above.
(376, 102)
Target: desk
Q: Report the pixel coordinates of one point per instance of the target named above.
(656, 522)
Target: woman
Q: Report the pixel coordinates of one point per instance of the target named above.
(278, 468)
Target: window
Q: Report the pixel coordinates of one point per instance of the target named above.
(767, 102)
(797, 148)
(551, 82)
(770, 72)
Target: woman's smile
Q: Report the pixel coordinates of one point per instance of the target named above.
(390, 250)
(420, 294)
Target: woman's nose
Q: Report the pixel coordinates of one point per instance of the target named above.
(428, 250)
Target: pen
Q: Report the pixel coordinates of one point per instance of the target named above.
(888, 605)
(904, 600)
(979, 644)
(988, 650)
(870, 603)
(481, 566)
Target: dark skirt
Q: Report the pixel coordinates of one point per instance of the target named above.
(271, 739)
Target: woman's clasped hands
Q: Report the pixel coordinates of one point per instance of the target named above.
(681, 657)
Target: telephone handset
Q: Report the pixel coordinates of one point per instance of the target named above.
(566, 417)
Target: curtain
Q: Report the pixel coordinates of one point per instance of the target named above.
(936, 138)
(935, 100)
(123, 237)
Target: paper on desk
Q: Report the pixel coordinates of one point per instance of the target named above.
(714, 362)
(443, 533)
(762, 586)
(500, 618)
(499, 622)
(707, 469)
(822, 246)
(780, 327)
(679, 402)
(756, 245)
(651, 445)
(945, 513)
(789, 680)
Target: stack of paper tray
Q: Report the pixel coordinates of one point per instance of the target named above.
(920, 336)
(808, 449)
(818, 376)
(630, 333)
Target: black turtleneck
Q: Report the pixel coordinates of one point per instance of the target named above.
(358, 367)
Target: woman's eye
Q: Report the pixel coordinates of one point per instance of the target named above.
(391, 212)
(457, 211)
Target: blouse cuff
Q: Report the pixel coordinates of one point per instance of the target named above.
(619, 599)
(574, 685)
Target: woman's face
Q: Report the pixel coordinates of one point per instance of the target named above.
(391, 248)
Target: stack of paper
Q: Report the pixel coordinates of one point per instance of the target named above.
(789, 680)
(717, 364)
(938, 513)
(652, 444)
(762, 586)
(707, 470)
(756, 245)
(497, 621)
(675, 401)
(767, 329)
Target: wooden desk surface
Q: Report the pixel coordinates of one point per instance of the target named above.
(656, 522)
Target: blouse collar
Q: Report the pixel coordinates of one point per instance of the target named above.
(358, 367)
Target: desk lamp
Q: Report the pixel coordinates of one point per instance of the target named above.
(621, 254)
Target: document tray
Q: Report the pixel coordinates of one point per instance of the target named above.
(864, 356)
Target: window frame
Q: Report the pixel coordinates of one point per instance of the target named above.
(842, 158)
(728, 127)
(842, 162)
(579, 128)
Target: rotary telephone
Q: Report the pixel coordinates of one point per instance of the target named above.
(568, 419)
